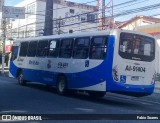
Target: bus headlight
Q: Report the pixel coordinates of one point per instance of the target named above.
(115, 73)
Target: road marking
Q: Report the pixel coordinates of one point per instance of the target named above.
(147, 101)
(85, 109)
(133, 98)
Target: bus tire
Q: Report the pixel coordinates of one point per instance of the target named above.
(20, 78)
(61, 85)
(96, 94)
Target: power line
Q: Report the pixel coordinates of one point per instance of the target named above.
(146, 8)
(91, 11)
(97, 18)
(67, 6)
(130, 5)
(121, 4)
(154, 15)
(116, 15)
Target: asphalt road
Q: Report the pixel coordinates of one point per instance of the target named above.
(39, 99)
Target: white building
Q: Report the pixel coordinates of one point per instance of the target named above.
(33, 24)
(138, 21)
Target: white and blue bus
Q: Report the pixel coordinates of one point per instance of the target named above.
(97, 62)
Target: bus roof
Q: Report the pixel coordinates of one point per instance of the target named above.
(80, 34)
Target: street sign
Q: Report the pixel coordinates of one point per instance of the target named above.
(13, 12)
(1, 4)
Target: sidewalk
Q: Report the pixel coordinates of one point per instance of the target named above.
(5, 69)
(157, 87)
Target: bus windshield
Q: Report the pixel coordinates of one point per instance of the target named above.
(136, 47)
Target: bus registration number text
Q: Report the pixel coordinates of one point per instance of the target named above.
(135, 68)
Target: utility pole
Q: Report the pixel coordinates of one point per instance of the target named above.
(48, 27)
(109, 12)
(59, 25)
(3, 23)
(101, 15)
(3, 40)
(105, 18)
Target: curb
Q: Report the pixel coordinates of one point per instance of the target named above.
(157, 89)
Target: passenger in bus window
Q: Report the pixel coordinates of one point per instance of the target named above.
(128, 50)
(93, 49)
(136, 47)
(126, 47)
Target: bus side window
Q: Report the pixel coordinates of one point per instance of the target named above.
(81, 48)
(14, 52)
(32, 48)
(66, 48)
(98, 49)
(53, 48)
(23, 49)
(42, 49)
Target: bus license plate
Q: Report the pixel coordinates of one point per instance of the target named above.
(135, 78)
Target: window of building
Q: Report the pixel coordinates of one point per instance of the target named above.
(91, 18)
(81, 48)
(84, 16)
(66, 48)
(54, 48)
(71, 11)
(42, 49)
(98, 47)
(30, 32)
(70, 3)
(14, 33)
(23, 49)
(32, 48)
(21, 33)
(30, 10)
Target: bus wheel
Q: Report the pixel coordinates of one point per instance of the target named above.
(96, 94)
(62, 85)
(20, 78)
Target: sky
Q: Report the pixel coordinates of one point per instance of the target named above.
(116, 10)
(12, 2)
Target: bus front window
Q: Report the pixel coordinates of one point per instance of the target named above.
(14, 53)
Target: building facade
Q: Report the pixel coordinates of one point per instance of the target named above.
(138, 21)
(153, 29)
(67, 16)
